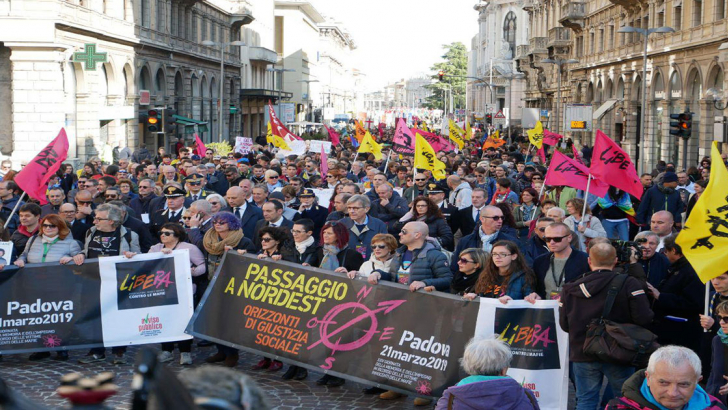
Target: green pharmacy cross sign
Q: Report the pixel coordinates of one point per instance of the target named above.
(89, 57)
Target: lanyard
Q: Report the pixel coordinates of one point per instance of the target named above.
(47, 248)
(553, 272)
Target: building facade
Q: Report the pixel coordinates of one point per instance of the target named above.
(681, 66)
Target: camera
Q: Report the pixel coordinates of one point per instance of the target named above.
(625, 249)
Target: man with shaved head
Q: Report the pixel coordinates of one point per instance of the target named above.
(662, 223)
(248, 213)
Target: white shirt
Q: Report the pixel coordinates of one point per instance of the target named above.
(241, 209)
(276, 223)
(476, 211)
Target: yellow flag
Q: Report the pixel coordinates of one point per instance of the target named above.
(456, 134)
(468, 131)
(424, 127)
(704, 239)
(276, 140)
(536, 135)
(369, 145)
(425, 158)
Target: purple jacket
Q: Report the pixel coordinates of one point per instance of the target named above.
(502, 394)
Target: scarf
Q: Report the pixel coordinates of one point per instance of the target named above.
(723, 336)
(330, 260)
(301, 246)
(699, 401)
(527, 211)
(49, 239)
(623, 203)
(462, 282)
(216, 246)
(500, 196)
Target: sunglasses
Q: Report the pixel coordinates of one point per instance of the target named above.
(194, 183)
(420, 180)
(722, 318)
(495, 218)
(84, 202)
(556, 239)
(213, 203)
(186, 217)
(165, 233)
(463, 260)
(272, 177)
(111, 197)
(266, 239)
(542, 229)
(379, 246)
(220, 223)
(536, 178)
(49, 226)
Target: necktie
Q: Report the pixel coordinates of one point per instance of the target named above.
(477, 216)
(194, 198)
(237, 212)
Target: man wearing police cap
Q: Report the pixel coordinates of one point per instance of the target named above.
(437, 194)
(193, 184)
(309, 209)
(175, 197)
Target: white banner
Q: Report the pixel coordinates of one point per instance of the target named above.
(145, 301)
(539, 346)
(243, 145)
(324, 196)
(315, 146)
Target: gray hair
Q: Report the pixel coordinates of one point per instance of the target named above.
(223, 202)
(647, 234)
(486, 357)
(225, 384)
(387, 186)
(115, 213)
(559, 210)
(203, 206)
(675, 356)
(362, 200)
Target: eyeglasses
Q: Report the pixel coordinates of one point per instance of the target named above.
(49, 226)
(111, 197)
(354, 208)
(213, 203)
(379, 246)
(556, 239)
(501, 255)
(144, 187)
(220, 223)
(100, 219)
(495, 218)
(266, 239)
(463, 260)
(329, 176)
(166, 233)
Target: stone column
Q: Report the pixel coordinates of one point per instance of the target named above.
(667, 148)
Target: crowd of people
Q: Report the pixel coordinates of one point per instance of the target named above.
(491, 229)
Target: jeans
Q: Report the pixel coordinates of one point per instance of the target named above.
(616, 230)
(589, 377)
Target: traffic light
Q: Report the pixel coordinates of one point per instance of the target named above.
(153, 118)
(489, 118)
(170, 123)
(441, 75)
(682, 126)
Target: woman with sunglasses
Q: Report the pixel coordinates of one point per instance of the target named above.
(383, 247)
(716, 382)
(526, 212)
(506, 276)
(217, 201)
(226, 234)
(584, 226)
(172, 237)
(425, 210)
(53, 243)
(471, 264)
(272, 180)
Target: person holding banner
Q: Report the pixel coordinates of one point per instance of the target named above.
(383, 247)
(173, 237)
(506, 276)
(486, 361)
(471, 265)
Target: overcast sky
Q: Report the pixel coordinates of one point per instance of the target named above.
(401, 38)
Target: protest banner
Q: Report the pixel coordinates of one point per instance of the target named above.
(315, 146)
(380, 334)
(539, 346)
(323, 196)
(243, 145)
(6, 252)
(113, 301)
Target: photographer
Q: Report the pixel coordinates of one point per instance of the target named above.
(628, 259)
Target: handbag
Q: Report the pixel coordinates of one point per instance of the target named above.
(623, 344)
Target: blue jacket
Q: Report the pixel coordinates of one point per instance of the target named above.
(535, 247)
(473, 241)
(655, 199)
(429, 265)
(490, 393)
(576, 265)
(362, 241)
(656, 268)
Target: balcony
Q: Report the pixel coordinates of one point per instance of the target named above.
(559, 37)
(537, 45)
(522, 52)
(528, 5)
(262, 54)
(264, 94)
(240, 16)
(572, 15)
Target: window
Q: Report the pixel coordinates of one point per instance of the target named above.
(697, 13)
(193, 30)
(146, 17)
(203, 30)
(509, 30)
(580, 46)
(213, 31)
(591, 43)
(161, 15)
(610, 42)
(601, 39)
(677, 18)
(660, 19)
(719, 10)
(173, 23)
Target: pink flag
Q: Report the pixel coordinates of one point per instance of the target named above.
(576, 154)
(199, 147)
(551, 138)
(564, 171)
(437, 142)
(333, 136)
(324, 162)
(610, 163)
(403, 141)
(542, 153)
(277, 126)
(33, 179)
(381, 131)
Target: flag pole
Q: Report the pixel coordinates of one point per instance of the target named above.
(386, 166)
(540, 194)
(586, 195)
(17, 204)
(707, 302)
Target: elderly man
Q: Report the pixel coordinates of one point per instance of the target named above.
(669, 382)
(491, 221)
(362, 227)
(662, 224)
(135, 225)
(654, 263)
(248, 213)
(142, 203)
(486, 361)
(169, 174)
(582, 301)
(260, 195)
(151, 171)
(469, 217)
(461, 192)
(377, 180)
(56, 197)
(389, 207)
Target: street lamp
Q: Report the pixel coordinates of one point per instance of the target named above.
(279, 70)
(558, 63)
(646, 33)
(510, 77)
(210, 43)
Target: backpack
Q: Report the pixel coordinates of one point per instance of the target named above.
(624, 344)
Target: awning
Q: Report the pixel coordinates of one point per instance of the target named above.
(190, 123)
(599, 113)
